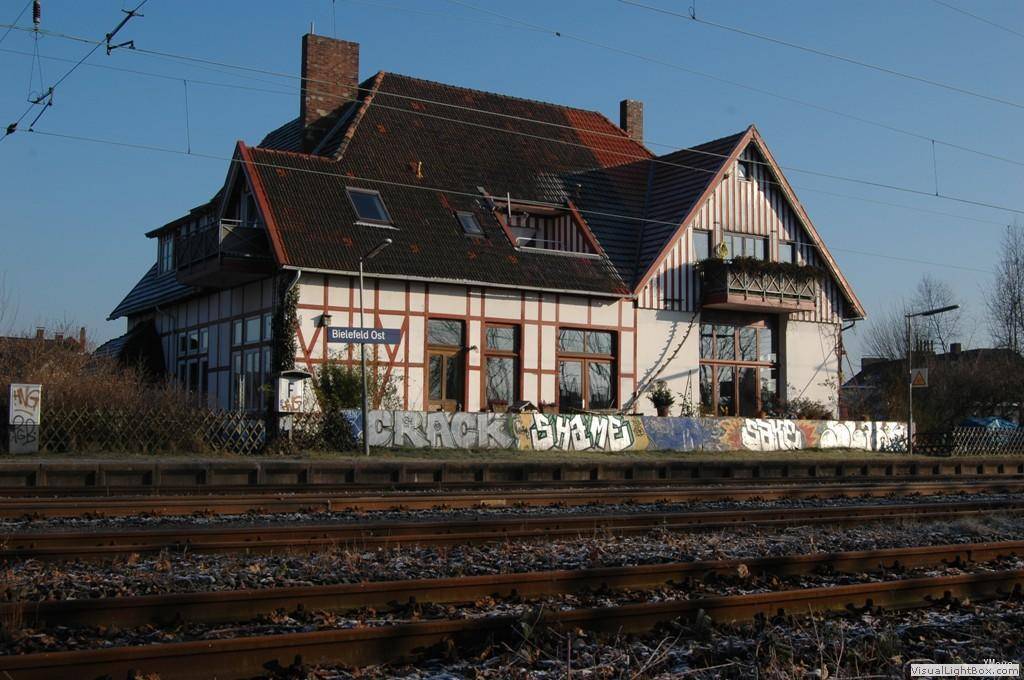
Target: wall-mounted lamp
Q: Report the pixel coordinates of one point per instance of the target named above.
(324, 320)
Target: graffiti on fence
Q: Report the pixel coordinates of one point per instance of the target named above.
(437, 429)
(676, 434)
(581, 432)
(23, 417)
(867, 436)
(771, 435)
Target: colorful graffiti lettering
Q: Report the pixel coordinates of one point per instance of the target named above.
(771, 435)
(437, 429)
(867, 436)
(605, 432)
(581, 432)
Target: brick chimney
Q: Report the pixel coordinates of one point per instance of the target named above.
(81, 337)
(631, 118)
(40, 332)
(330, 78)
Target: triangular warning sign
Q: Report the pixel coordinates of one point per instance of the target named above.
(919, 377)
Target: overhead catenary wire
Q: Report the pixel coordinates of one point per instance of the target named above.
(833, 176)
(10, 27)
(802, 188)
(980, 18)
(45, 99)
(831, 55)
(843, 114)
(449, 191)
(741, 85)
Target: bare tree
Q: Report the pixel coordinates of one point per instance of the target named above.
(1006, 299)
(887, 335)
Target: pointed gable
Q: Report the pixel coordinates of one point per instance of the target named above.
(762, 204)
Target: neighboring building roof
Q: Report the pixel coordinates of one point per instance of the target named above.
(113, 348)
(152, 290)
(874, 372)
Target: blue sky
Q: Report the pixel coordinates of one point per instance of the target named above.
(73, 213)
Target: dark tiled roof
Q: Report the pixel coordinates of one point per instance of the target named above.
(152, 289)
(112, 348)
(675, 186)
(288, 137)
(592, 163)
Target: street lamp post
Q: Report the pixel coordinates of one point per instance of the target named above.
(362, 346)
(910, 369)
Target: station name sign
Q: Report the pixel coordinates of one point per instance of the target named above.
(364, 336)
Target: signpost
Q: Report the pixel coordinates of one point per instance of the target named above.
(23, 418)
(364, 336)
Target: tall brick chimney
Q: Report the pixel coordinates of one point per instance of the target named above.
(631, 118)
(330, 78)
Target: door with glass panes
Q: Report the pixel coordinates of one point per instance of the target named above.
(738, 366)
(446, 359)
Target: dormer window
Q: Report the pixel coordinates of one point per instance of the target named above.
(547, 229)
(744, 170)
(165, 254)
(369, 206)
(470, 225)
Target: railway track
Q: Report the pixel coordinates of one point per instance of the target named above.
(106, 544)
(239, 605)
(245, 657)
(306, 501)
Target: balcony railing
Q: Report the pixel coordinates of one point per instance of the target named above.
(228, 249)
(759, 286)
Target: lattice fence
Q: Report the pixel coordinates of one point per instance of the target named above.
(150, 431)
(969, 441)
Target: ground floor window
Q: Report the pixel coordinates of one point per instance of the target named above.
(738, 367)
(501, 365)
(446, 360)
(586, 370)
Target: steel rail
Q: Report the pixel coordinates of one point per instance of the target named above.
(245, 657)
(105, 478)
(244, 604)
(121, 506)
(81, 544)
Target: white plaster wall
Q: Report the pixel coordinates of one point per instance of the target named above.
(659, 332)
(810, 367)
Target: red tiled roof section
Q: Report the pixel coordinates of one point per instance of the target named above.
(610, 145)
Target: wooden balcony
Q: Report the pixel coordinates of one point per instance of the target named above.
(223, 255)
(757, 287)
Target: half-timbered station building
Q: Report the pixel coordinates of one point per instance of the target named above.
(539, 252)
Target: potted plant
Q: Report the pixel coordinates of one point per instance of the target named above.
(662, 398)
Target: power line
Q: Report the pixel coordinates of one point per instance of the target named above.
(16, 20)
(277, 74)
(741, 85)
(616, 136)
(831, 55)
(453, 192)
(45, 99)
(979, 18)
(843, 114)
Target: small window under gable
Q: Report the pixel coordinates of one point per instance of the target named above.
(470, 224)
(744, 169)
(547, 229)
(369, 206)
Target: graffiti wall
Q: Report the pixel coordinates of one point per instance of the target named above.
(611, 433)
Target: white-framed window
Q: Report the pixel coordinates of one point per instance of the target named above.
(369, 206)
(788, 252)
(744, 245)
